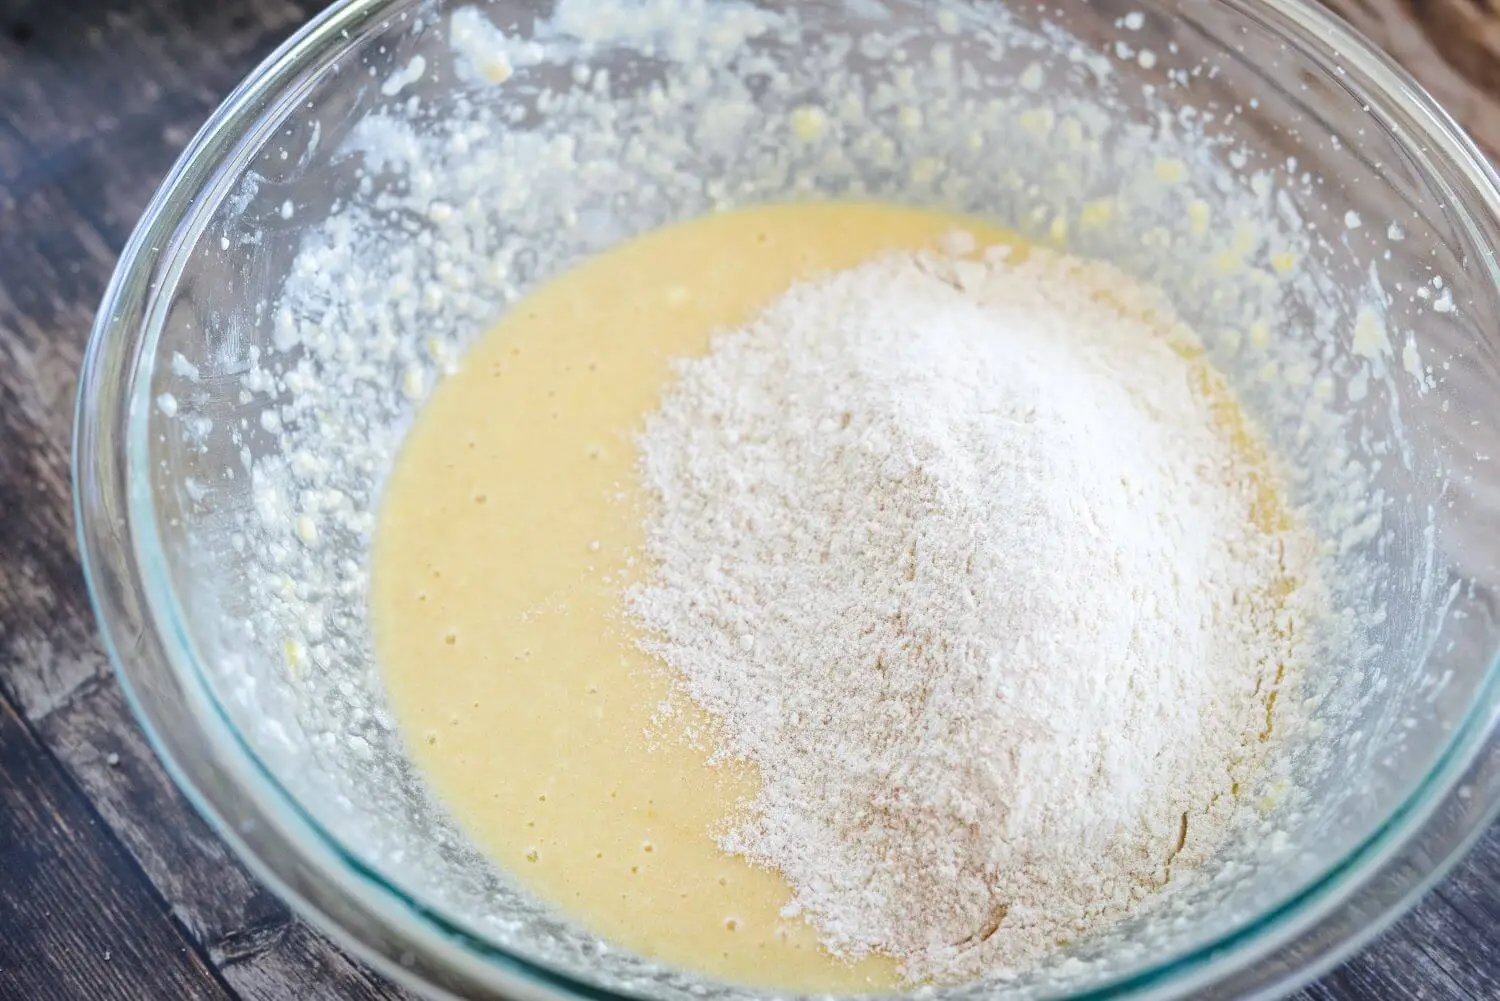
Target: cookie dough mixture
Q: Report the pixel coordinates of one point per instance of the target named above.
(830, 596)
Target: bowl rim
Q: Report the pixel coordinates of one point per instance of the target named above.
(416, 943)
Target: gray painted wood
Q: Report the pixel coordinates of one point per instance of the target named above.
(291, 961)
(76, 919)
(97, 741)
(110, 885)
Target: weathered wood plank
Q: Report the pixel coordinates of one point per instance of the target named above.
(54, 268)
(15, 156)
(238, 35)
(1466, 952)
(76, 202)
(262, 949)
(66, 70)
(72, 68)
(1452, 47)
(1474, 890)
(291, 961)
(113, 174)
(78, 919)
(1396, 966)
(99, 743)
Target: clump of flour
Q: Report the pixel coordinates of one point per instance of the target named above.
(964, 554)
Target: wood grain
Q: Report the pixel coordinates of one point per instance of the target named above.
(1397, 968)
(95, 104)
(99, 743)
(110, 885)
(260, 948)
(88, 65)
(1474, 889)
(291, 962)
(78, 920)
(55, 265)
(1452, 47)
(1462, 949)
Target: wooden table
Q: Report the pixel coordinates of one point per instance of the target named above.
(110, 885)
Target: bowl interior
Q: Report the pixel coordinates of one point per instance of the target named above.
(415, 172)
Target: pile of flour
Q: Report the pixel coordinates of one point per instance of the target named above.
(960, 551)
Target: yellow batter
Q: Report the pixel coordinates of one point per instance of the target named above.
(505, 542)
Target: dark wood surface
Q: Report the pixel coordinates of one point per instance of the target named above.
(110, 885)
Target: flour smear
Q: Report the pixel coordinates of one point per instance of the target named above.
(978, 562)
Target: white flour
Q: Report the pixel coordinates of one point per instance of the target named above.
(959, 554)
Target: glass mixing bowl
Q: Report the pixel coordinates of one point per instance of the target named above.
(384, 185)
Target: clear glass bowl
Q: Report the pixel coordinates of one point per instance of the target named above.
(406, 166)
